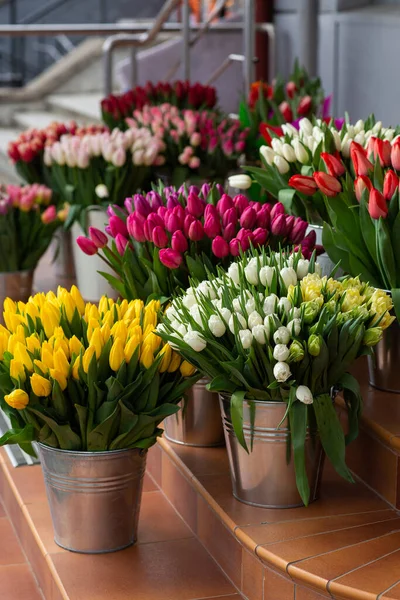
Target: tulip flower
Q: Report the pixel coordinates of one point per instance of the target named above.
(234, 247)
(286, 111)
(265, 130)
(328, 184)
(195, 205)
(212, 227)
(220, 247)
(334, 165)
(381, 149)
(362, 183)
(179, 242)
(241, 203)
(159, 237)
(141, 205)
(298, 230)
(196, 231)
(291, 89)
(304, 106)
(278, 226)
(240, 182)
(395, 155)
(121, 243)
(170, 258)
(49, 215)
(117, 226)
(224, 204)
(361, 164)
(98, 238)
(260, 236)
(263, 216)
(86, 245)
(41, 386)
(377, 205)
(17, 399)
(135, 227)
(229, 232)
(390, 184)
(277, 209)
(117, 355)
(248, 218)
(303, 184)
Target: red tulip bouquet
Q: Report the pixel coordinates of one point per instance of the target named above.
(197, 144)
(302, 167)
(28, 220)
(182, 94)
(162, 239)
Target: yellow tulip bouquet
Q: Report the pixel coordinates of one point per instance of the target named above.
(87, 377)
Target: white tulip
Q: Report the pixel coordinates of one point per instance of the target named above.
(318, 135)
(336, 137)
(294, 327)
(268, 154)
(277, 146)
(250, 306)
(268, 325)
(237, 304)
(207, 290)
(311, 143)
(216, 326)
(281, 352)
(270, 304)
(266, 274)
(389, 135)
(225, 314)
(346, 148)
(239, 319)
(195, 314)
(302, 268)
(189, 301)
(306, 126)
(246, 338)
(260, 334)
(351, 131)
(289, 276)
(288, 153)
(171, 312)
(295, 313)
(318, 269)
(284, 304)
(240, 182)
(281, 164)
(251, 271)
(288, 129)
(282, 371)
(195, 340)
(233, 273)
(101, 191)
(300, 152)
(254, 319)
(359, 126)
(377, 127)
(360, 138)
(304, 394)
(182, 330)
(281, 335)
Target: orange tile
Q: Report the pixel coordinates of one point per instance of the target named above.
(392, 594)
(230, 597)
(219, 541)
(252, 576)
(10, 550)
(203, 461)
(18, 583)
(179, 492)
(303, 593)
(2, 512)
(149, 484)
(174, 570)
(153, 463)
(158, 521)
(277, 586)
(29, 483)
(306, 547)
(374, 578)
(39, 516)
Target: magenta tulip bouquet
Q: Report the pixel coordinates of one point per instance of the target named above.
(161, 240)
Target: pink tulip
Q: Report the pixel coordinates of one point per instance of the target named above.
(395, 155)
(128, 203)
(229, 232)
(362, 183)
(277, 209)
(172, 200)
(179, 242)
(241, 203)
(196, 231)
(229, 216)
(298, 230)
(244, 236)
(248, 218)
(377, 205)
(141, 205)
(390, 184)
(159, 237)
(224, 204)
(49, 215)
(212, 227)
(162, 211)
(172, 223)
(148, 231)
(220, 247)
(86, 245)
(170, 258)
(234, 247)
(195, 205)
(263, 216)
(155, 220)
(121, 242)
(117, 226)
(187, 223)
(278, 226)
(210, 211)
(135, 227)
(260, 236)
(98, 237)
(154, 199)
(179, 212)
(205, 190)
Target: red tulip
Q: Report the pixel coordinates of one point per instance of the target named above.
(390, 184)
(170, 258)
(248, 218)
(328, 184)
(86, 245)
(179, 242)
(220, 247)
(359, 159)
(98, 238)
(196, 231)
(121, 242)
(334, 165)
(304, 107)
(380, 149)
(303, 184)
(265, 131)
(362, 183)
(395, 155)
(377, 206)
(286, 111)
(291, 89)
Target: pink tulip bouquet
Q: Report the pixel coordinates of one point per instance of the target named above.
(197, 144)
(28, 220)
(301, 167)
(162, 239)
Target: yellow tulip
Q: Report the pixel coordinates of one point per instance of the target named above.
(75, 368)
(135, 329)
(130, 314)
(21, 306)
(32, 310)
(87, 358)
(104, 304)
(4, 331)
(13, 340)
(62, 344)
(76, 295)
(96, 340)
(186, 369)
(47, 357)
(150, 318)
(40, 386)
(17, 370)
(175, 362)
(40, 365)
(13, 320)
(130, 347)
(21, 354)
(38, 300)
(119, 330)
(92, 325)
(116, 354)
(50, 317)
(3, 344)
(94, 312)
(59, 332)
(123, 307)
(108, 319)
(138, 306)
(75, 345)
(61, 363)
(59, 377)
(105, 332)
(52, 298)
(69, 306)
(116, 310)
(166, 353)
(152, 340)
(17, 399)
(33, 343)
(10, 306)
(146, 356)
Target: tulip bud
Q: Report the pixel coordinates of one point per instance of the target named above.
(263, 216)
(291, 89)
(154, 199)
(267, 154)
(212, 227)
(300, 152)
(49, 215)
(234, 247)
(314, 344)
(260, 236)
(195, 205)
(395, 155)
(359, 159)
(281, 372)
(372, 336)
(117, 355)
(296, 352)
(377, 206)
(187, 223)
(196, 231)
(335, 166)
(305, 106)
(18, 399)
(179, 242)
(220, 247)
(86, 245)
(286, 111)
(304, 394)
(362, 183)
(288, 153)
(141, 205)
(281, 164)
(170, 258)
(303, 184)
(383, 150)
(210, 211)
(121, 242)
(98, 238)
(277, 209)
(159, 237)
(224, 204)
(248, 218)
(135, 227)
(278, 226)
(205, 190)
(241, 203)
(40, 386)
(390, 184)
(117, 226)
(328, 184)
(229, 232)
(240, 182)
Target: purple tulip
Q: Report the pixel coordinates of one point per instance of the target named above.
(229, 216)
(172, 201)
(263, 216)
(196, 231)
(248, 218)
(121, 242)
(229, 232)
(260, 236)
(241, 203)
(195, 205)
(220, 189)
(154, 200)
(128, 203)
(278, 226)
(224, 204)
(179, 242)
(298, 230)
(277, 209)
(205, 190)
(290, 219)
(194, 190)
(141, 205)
(98, 237)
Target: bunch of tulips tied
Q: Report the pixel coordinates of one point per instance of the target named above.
(116, 108)
(90, 377)
(161, 240)
(272, 329)
(28, 220)
(85, 169)
(26, 152)
(319, 151)
(197, 143)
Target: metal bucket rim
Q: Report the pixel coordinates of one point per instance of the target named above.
(226, 398)
(86, 453)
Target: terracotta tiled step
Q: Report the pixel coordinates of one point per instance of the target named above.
(346, 545)
(375, 456)
(167, 563)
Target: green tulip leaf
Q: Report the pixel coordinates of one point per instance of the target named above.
(298, 431)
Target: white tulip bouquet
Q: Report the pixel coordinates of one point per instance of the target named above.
(272, 329)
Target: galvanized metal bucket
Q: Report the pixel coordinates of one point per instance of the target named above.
(94, 497)
(384, 364)
(200, 424)
(64, 263)
(16, 285)
(264, 477)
